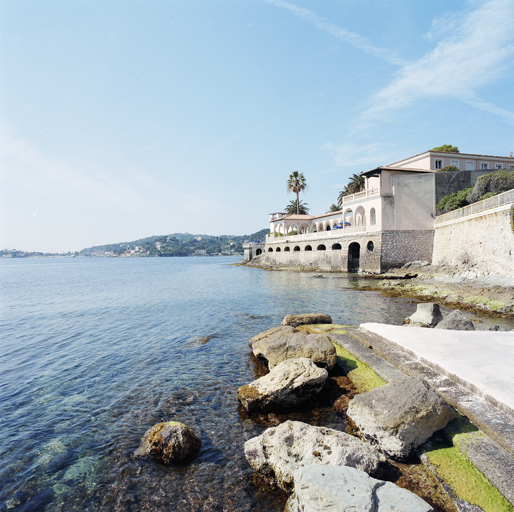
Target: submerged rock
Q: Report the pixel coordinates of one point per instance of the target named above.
(279, 451)
(293, 345)
(306, 318)
(427, 314)
(290, 383)
(399, 416)
(345, 489)
(456, 321)
(169, 442)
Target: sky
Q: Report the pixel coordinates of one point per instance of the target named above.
(122, 119)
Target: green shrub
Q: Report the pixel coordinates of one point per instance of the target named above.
(449, 168)
(453, 201)
(495, 182)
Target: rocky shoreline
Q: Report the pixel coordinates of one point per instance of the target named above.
(397, 426)
(456, 288)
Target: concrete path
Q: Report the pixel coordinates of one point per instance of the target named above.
(482, 361)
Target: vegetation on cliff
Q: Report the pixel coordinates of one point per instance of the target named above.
(486, 186)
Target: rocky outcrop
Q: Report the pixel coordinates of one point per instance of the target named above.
(279, 451)
(273, 333)
(427, 314)
(344, 489)
(306, 318)
(399, 416)
(456, 321)
(288, 384)
(169, 442)
(278, 347)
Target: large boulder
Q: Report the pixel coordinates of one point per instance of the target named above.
(279, 451)
(428, 314)
(306, 318)
(293, 345)
(273, 333)
(399, 416)
(169, 442)
(345, 489)
(456, 321)
(288, 384)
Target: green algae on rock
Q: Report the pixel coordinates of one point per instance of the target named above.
(364, 378)
(169, 442)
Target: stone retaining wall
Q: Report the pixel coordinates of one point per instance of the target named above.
(482, 243)
(376, 251)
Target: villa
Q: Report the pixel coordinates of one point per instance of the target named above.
(391, 222)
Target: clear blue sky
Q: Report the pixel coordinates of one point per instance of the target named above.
(122, 119)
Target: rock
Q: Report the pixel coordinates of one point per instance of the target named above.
(399, 416)
(273, 333)
(306, 318)
(279, 451)
(278, 348)
(288, 384)
(456, 321)
(427, 313)
(345, 489)
(169, 442)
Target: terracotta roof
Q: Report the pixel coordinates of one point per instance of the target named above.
(451, 153)
(401, 169)
(295, 217)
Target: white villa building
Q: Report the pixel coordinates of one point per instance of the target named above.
(388, 224)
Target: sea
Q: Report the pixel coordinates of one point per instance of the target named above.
(94, 351)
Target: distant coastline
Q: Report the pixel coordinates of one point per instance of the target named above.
(176, 244)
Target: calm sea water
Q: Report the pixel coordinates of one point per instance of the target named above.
(95, 351)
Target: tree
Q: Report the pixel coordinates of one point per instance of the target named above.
(356, 184)
(296, 183)
(300, 209)
(446, 148)
(334, 208)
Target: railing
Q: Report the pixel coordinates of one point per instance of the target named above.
(361, 195)
(334, 233)
(480, 206)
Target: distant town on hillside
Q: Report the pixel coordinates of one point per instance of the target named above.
(176, 244)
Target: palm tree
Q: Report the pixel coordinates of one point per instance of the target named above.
(334, 208)
(296, 183)
(300, 209)
(356, 184)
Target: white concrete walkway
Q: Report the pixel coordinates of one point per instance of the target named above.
(484, 359)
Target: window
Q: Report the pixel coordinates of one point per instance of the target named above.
(511, 166)
(484, 165)
(455, 163)
(498, 166)
(438, 164)
(470, 166)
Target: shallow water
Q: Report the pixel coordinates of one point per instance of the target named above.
(95, 351)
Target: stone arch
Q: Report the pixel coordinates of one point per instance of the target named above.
(354, 250)
(287, 249)
(348, 218)
(372, 217)
(328, 227)
(360, 217)
(320, 227)
(308, 248)
(258, 252)
(270, 249)
(297, 248)
(336, 247)
(278, 249)
(321, 247)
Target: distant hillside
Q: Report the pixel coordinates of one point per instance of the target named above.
(177, 244)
